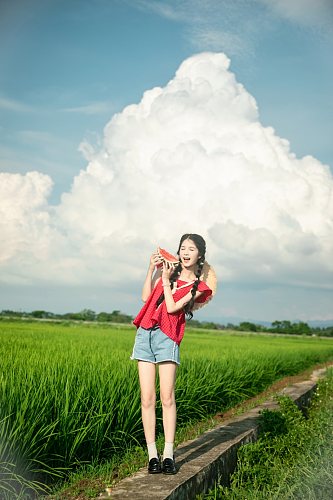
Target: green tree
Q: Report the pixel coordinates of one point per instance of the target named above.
(283, 326)
(88, 315)
(246, 326)
(39, 314)
(301, 328)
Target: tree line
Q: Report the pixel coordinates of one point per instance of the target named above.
(278, 326)
(116, 316)
(84, 315)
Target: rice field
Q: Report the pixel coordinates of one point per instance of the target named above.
(70, 395)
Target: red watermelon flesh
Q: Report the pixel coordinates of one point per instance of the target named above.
(167, 257)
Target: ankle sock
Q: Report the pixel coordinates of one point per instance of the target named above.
(168, 450)
(152, 450)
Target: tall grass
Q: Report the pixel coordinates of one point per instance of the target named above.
(293, 457)
(69, 393)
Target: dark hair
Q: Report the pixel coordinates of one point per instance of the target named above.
(201, 246)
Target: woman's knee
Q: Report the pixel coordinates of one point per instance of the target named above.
(148, 400)
(168, 400)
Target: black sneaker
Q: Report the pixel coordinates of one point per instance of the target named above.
(169, 466)
(154, 466)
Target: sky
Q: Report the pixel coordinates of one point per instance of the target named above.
(124, 124)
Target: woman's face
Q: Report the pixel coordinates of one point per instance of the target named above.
(188, 253)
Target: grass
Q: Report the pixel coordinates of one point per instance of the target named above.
(293, 457)
(71, 400)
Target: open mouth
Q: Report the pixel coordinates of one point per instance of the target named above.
(186, 259)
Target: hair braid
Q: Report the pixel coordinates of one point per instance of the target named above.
(188, 307)
(173, 278)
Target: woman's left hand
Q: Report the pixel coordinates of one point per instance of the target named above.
(167, 271)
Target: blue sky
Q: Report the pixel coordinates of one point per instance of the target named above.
(68, 66)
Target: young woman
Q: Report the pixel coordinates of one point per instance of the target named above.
(170, 293)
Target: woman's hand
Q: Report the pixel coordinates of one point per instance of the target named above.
(167, 272)
(155, 261)
(152, 276)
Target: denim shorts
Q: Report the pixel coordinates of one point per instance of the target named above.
(155, 346)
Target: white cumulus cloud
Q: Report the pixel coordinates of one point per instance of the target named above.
(24, 222)
(189, 157)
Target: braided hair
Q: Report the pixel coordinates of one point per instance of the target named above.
(201, 246)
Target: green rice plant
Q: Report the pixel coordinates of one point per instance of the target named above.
(16, 486)
(70, 395)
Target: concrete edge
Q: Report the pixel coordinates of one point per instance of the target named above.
(224, 465)
(210, 457)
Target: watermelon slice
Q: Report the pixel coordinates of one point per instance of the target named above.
(167, 257)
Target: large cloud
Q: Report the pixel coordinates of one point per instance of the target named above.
(192, 156)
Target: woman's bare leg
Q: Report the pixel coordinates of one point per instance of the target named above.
(167, 373)
(147, 374)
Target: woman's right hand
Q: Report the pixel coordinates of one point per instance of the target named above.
(155, 260)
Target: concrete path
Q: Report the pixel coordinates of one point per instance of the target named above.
(212, 456)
